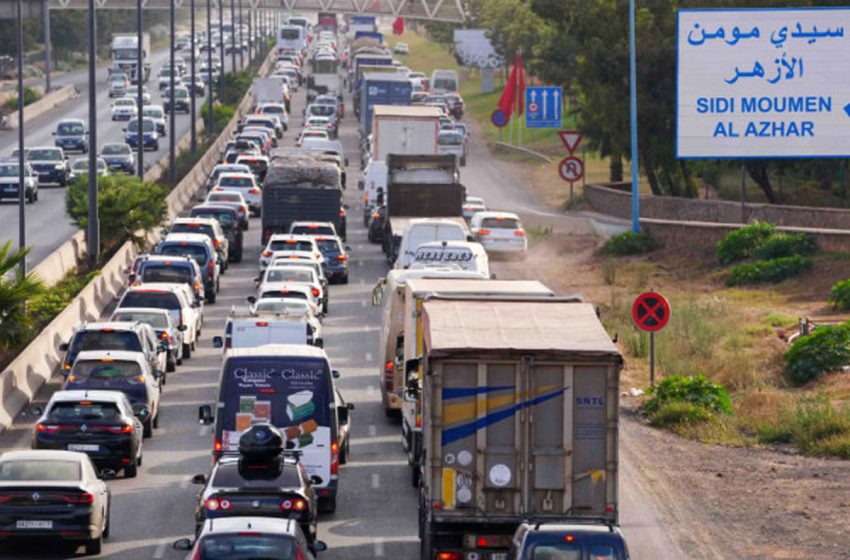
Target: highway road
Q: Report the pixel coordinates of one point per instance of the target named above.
(48, 226)
(377, 508)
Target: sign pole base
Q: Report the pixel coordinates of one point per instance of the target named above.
(652, 359)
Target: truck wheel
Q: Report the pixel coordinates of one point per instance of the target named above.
(327, 505)
(187, 351)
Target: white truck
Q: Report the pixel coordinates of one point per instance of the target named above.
(267, 90)
(247, 329)
(124, 52)
(404, 130)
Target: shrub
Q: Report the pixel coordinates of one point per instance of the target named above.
(781, 244)
(232, 86)
(825, 350)
(629, 243)
(15, 291)
(693, 389)
(768, 271)
(814, 426)
(839, 295)
(743, 242)
(30, 96)
(50, 303)
(221, 115)
(675, 413)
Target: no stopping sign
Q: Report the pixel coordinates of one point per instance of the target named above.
(650, 311)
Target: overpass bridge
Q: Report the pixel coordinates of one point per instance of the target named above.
(433, 10)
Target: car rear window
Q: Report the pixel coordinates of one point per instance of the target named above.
(290, 245)
(229, 547)
(84, 410)
(500, 223)
(98, 370)
(106, 340)
(328, 246)
(160, 300)
(224, 218)
(24, 470)
(289, 275)
(236, 182)
(168, 274)
(228, 475)
(194, 250)
(156, 320)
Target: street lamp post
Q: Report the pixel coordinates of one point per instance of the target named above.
(172, 168)
(45, 12)
(209, 67)
(250, 36)
(193, 143)
(633, 110)
(221, 37)
(93, 229)
(22, 223)
(232, 35)
(241, 52)
(140, 102)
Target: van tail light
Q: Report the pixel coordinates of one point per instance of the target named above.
(255, 191)
(315, 292)
(418, 420)
(519, 232)
(483, 232)
(180, 318)
(216, 243)
(335, 457)
(389, 370)
(342, 258)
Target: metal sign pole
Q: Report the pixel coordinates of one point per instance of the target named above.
(93, 229)
(172, 169)
(232, 36)
(193, 142)
(210, 82)
(45, 8)
(22, 216)
(652, 359)
(140, 74)
(241, 39)
(633, 110)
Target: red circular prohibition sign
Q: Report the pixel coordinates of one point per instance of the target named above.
(650, 311)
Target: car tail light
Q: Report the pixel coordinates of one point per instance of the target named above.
(389, 369)
(519, 232)
(180, 317)
(418, 420)
(293, 505)
(164, 336)
(216, 243)
(211, 265)
(335, 457)
(449, 556)
(215, 504)
(255, 191)
(267, 253)
(342, 258)
(342, 212)
(569, 538)
(483, 232)
(315, 292)
(123, 429)
(83, 498)
(51, 428)
(248, 534)
(262, 324)
(217, 445)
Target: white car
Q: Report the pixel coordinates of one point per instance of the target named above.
(133, 93)
(165, 78)
(312, 133)
(302, 275)
(471, 205)
(118, 84)
(499, 233)
(166, 328)
(401, 48)
(243, 183)
(81, 167)
(277, 110)
(124, 109)
(159, 117)
(281, 243)
(293, 308)
(285, 290)
(178, 299)
(9, 176)
(451, 142)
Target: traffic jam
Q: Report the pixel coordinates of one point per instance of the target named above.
(502, 393)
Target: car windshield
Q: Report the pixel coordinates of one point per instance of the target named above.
(272, 110)
(290, 245)
(155, 320)
(289, 275)
(102, 370)
(106, 339)
(70, 129)
(115, 150)
(24, 470)
(84, 410)
(194, 250)
(168, 274)
(133, 126)
(125, 102)
(248, 546)
(45, 155)
(500, 223)
(224, 218)
(145, 298)
(231, 181)
(8, 170)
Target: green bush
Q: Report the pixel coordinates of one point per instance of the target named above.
(629, 243)
(814, 426)
(232, 86)
(769, 271)
(47, 305)
(743, 242)
(221, 115)
(693, 389)
(781, 244)
(30, 96)
(826, 349)
(839, 295)
(675, 413)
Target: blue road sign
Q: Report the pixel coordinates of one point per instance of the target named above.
(543, 107)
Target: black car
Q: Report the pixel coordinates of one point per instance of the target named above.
(376, 225)
(336, 259)
(568, 540)
(263, 480)
(100, 424)
(53, 495)
(229, 219)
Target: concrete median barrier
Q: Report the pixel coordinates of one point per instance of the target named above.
(45, 104)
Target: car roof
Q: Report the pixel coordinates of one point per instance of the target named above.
(216, 207)
(286, 287)
(294, 350)
(42, 454)
(312, 223)
(290, 236)
(153, 310)
(186, 238)
(114, 325)
(592, 528)
(254, 524)
(120, 355)
(237, 173)
(84, 395)
(182, 259)
(193, 220)
(158, 287)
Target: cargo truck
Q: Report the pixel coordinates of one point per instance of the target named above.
(300, 187)
(267, 90)
(362, 23)
(368, 56)
(357, 80)
(327, 22)
(519, 422)
(419, 187)
(381, 89)
(125, 55)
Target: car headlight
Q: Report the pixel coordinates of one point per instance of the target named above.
(59, 167)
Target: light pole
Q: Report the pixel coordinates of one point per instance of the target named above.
(172, 169)
(250, 36)
(232, 35)
(22, 217)
(93, 229)
(241, 53)
(633, 105)
(210, 67)
(193, 142)
(221, 38)
(140, 102)
(45, 12)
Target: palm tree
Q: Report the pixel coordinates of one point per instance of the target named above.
(15, 292)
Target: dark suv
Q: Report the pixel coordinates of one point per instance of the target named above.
(229, 219)
(71, 135)
(50, 163)
(582, 541)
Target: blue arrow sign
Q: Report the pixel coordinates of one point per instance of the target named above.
(543, 107)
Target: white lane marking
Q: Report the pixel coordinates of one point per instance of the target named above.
(204, 431)
(359, 262)
(368, 356)
(376, 480)
(363, 303)
(185, 483)
(362, 281)
(160, 550)
(370, 390)
(373, 430)
(379, 548)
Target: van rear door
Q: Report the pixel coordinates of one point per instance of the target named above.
(258, 332)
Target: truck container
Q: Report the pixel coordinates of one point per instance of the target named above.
(125, 55)
(376, 35)
(327, 21)
(362, 23)
(381, 89)
(267, 90)
(300, 187)
(357, 81)
(520, 420)
(419, 187)
(370, 56)
(409, 130)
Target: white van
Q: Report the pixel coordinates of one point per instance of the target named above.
(374, 182)
(423, 230)
(459, 255)
(445, 81)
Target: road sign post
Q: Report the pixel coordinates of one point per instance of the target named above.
(650, 313)
(543, 107)
(571, 168)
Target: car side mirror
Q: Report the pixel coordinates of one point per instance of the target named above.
(316, 480)
(64, 347)
(182, 544)
(205, 415)
(347, 249)
(319, 546)
(199, 479)
(251, 299)
(106, 474)
(36, 410)
(335, 374)
(142, 412)
(349, 406)
(218, 342)
(182, 328)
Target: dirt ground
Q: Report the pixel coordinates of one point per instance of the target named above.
(719, 501)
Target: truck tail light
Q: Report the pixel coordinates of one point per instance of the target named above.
(389, 370)
(217, 445)
(449, 556)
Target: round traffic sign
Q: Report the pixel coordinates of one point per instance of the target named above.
(650, 311)
(499, 118)
(533, 107)
(571, 169)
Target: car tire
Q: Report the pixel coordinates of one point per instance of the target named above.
(131, 471)
(108, 515)
(463, 161)
(211, 297)
(155, 146)
(238, 258)
(170, 365)
(30, 197)
(414, 477)
(35, 195)
(94, 546)
(147, 428)
(187, 351)
(156, 418)
(344, 279)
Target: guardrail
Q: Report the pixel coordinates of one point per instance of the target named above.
(37, 363)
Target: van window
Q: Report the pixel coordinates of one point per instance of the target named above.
(557, 551)
(160, 300)
(293, 394)
(168, 274)
(106, 340)
(444, 83)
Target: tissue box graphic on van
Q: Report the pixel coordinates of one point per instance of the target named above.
(300, 406)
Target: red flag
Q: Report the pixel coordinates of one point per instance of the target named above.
(398, 26)
(514, 92)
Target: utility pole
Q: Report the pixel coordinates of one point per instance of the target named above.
(250, 36)
(221, 38)
(45, 12)
(210, 83)
(93, 229)
(193, 142)
(22, 216)
(633, 110)
(172, 169)
(232, 35)
(241, 43)
(140, 74)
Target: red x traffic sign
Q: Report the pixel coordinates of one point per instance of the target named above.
(650, 311)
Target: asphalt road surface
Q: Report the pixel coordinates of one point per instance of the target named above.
(376, 515)
(48, 226)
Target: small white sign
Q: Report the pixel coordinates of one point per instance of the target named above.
(763, 83)
(500, 475)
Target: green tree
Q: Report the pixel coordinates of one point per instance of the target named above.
(15, 291)
(126, 204)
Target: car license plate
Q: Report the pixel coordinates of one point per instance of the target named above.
(82, 447)
(25, 524)
(10, 189)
